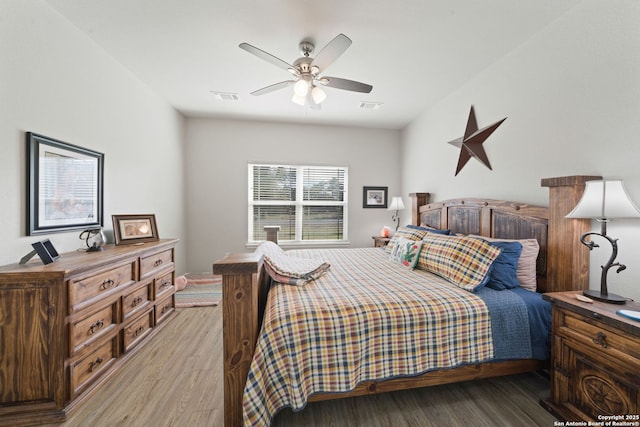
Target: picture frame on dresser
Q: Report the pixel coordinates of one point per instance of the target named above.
(134, 229)
(64, 186)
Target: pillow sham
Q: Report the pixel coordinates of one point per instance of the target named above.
(429, 229)
(462, 260)
(526, 272)
(503, 274)
(406, 252)
(409, 233)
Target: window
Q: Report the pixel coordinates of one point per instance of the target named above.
(309, 203)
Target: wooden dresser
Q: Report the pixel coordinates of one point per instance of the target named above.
(595, 370)
(66, 327)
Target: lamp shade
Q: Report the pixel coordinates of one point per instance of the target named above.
(605, 200)
(396, 204)
(301, 87)
(300, 100)
(318, 95)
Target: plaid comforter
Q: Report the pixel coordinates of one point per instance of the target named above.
(366, 319)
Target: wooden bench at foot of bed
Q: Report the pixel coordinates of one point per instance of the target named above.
(562, 265)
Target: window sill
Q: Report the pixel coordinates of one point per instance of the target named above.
(304, 245)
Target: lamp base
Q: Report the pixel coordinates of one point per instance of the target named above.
(608, 298)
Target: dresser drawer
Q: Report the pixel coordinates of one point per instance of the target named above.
(84, 290)
(151, 264)
(137, 329)
(599, 337)
(136, 301)
(92, 327)
(164, 285)
(88, 369)
(164, 308)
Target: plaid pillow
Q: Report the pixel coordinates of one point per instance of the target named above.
(463, 261)
(406, 232)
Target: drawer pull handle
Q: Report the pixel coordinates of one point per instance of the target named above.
(601, 340)
(165, 308)
(96, 326)
(95, 364)
(165, 283)
(136, 301)
(107, 284)
(138, 331)
(158, 263)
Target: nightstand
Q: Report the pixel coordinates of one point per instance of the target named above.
(379, 241)
(595, 360)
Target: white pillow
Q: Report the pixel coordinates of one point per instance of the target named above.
(406, 252)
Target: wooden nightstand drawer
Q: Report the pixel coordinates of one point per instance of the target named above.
(599, 337)
(96, 325)
(151, 264)
(84, 290)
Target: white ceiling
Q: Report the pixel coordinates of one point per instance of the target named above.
(413, 52)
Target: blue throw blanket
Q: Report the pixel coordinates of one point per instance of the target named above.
(520, 323)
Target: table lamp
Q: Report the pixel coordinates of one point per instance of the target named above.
(603, 201)
(396, 205)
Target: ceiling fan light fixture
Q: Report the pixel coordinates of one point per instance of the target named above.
(318, 94)
(301, 87)
(307, 70)
(297, 99)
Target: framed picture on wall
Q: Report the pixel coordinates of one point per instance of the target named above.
(374, 197)
(131, 229)
(64, 186)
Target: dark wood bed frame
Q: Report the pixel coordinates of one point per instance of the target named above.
(562, 265)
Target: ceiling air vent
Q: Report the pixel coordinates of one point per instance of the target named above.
(225, 96)
(370, 105)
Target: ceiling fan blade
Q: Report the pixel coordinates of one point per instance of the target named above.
(331, 52)
(264, 55)
(273, 87)
(345, 84)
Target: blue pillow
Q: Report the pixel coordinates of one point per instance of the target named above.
(429, 229)
(503, 274)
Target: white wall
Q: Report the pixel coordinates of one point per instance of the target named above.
(55, 81)
(218, 152)
(572, 97)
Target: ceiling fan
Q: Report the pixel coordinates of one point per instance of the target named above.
(306, 71)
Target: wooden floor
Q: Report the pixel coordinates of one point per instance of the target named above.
(176, 380)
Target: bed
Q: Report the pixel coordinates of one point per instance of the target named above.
(252, 306)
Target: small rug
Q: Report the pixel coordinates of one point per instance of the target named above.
(202, 290)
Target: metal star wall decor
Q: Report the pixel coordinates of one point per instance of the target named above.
(471, 143)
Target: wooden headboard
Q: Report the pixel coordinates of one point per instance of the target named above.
(489, 218)
(563, 263)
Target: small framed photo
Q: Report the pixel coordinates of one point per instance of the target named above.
(131, 229)
(374, 197)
